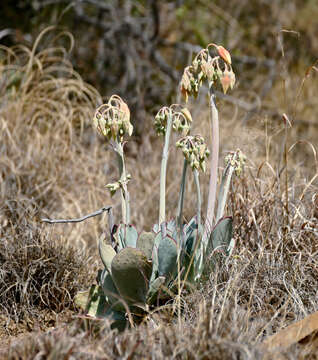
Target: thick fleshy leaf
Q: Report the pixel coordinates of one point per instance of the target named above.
(93, 303)
(221, 235)
(125, 235)
(191, 237)
(145, 243)
(106, 252)
(154, 289)
(155, 261)
(131, 271)
(167, 257)
(171, 227)
(110, 291)
(189, 230)
(83, 298)
(174, 232)
(130, 235)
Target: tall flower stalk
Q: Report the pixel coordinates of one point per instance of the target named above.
(167, 119)
(214, 161)
(182, 193)
(123, 181)
(195, 153)
(113, 121)
(214, 69)
(163, 171)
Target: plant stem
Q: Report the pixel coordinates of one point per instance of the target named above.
(163, 172)
(214, 166)
(197, 184)
(181, 194)
(125, 201)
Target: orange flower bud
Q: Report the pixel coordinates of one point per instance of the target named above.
(225, 55)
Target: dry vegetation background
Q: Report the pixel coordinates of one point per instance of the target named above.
(53, 164)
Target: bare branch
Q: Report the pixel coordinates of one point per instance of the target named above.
(63, 221)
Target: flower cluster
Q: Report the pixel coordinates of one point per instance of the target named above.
(181, 119)
(236, 159)
(113, 187)
(113, 119)
(195, 151)
(204, 66)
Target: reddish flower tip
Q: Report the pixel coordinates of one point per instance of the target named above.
(225, 55)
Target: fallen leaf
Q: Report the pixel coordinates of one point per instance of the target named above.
(292, 334)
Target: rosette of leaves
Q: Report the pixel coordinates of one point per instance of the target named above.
(142, 270)
(136, 267)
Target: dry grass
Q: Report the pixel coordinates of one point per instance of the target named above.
(39, 274)
(53, 164)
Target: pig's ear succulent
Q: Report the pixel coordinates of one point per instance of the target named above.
(106, 252)
(125, 235)
(140, 271)
(131, 272)
(146, 242)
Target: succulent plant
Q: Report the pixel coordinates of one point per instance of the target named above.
(142, 269)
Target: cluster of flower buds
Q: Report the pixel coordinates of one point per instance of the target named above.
(236, 159)
(204, 66)
(181, 119)
(113, 119)
(195, 151)
(113, 187)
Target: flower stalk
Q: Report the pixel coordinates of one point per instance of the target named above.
(181, 193)
(112, 120)
(125, 198)
(209, 221)
(234, 163)
(163, 172)
(197, 185)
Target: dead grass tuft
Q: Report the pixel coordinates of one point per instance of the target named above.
(38, 272)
